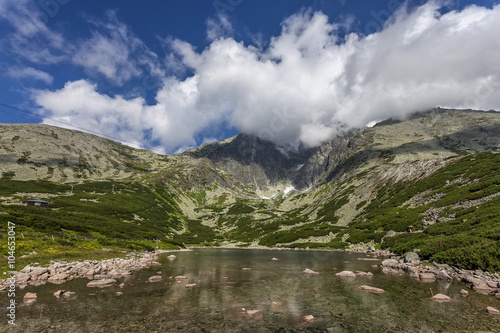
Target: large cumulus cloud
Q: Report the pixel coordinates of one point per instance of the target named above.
(310, 81)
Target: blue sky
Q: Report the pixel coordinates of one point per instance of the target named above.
(169, 75)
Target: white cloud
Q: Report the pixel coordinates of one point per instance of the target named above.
(309, 83)
(111, 51)
(115, 52)
(30, 73)
(79, 106)
(219, 27)
(31, 38)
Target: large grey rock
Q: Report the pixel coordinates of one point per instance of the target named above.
(390, 233)
(392, 263)
(411, 258)
(442, 275)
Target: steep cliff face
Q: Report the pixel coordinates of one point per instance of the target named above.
(252, 160)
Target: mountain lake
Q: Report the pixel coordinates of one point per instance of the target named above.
(241, 290)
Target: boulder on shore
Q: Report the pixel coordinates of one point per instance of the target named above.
(411, 258)
(390, 263)
(427, 277)
(443, 276)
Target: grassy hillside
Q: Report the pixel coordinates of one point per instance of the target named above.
(112, 215)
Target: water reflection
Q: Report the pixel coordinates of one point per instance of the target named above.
(271, 296)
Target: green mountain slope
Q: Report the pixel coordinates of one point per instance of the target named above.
(429, 183)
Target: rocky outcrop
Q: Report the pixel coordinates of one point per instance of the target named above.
(479, 281)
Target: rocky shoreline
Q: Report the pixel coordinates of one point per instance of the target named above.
(60, 272)
(105, 270)
(481, 282)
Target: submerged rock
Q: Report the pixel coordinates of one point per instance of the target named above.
(181, 277)
(155, 278)
(440, 298)
(101, 283)
(308, 318)
(492, 310)
(464, 293)
(30, 298)
(309, 271)
(346, 274)
(372, 289)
